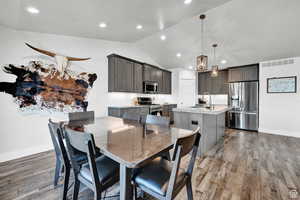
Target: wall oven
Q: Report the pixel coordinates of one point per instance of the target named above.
(150, 87)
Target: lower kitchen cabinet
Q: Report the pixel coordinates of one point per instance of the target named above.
(167, 111)
(119, 111)
(212, 127)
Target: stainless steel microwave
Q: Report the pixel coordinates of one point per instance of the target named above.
(150, 87)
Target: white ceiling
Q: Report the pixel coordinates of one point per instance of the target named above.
(247, 31)
(82, 17)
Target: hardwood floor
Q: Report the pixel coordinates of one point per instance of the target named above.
(244, 166)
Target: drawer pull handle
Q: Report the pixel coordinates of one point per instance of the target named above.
(194, 122)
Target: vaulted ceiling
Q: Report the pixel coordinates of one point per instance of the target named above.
(247, 31)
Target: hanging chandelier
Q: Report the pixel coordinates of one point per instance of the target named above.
(215, 67)
(202, 60)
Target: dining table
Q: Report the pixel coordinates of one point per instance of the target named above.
(129, 143)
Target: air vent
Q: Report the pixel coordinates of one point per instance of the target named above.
(278, 62)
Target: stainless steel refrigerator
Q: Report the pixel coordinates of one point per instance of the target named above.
(243, 98)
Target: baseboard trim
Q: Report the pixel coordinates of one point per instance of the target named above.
(24, 152)
(280, 132)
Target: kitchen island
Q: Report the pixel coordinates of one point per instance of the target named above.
(210, 120)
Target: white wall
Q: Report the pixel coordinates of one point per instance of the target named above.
(27, 134)
(279, 113)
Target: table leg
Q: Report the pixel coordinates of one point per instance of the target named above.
(126, 190)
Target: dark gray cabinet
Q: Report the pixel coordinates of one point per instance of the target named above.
(244, 73)
(213, 85)
(127, 75)
(167, 82)
(138, 78)
(120, 111)
(120, 75)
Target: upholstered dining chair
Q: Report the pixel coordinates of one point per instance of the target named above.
(131, 116)
(88, 115)
(164, 179)
(62, 159)
(99, 173)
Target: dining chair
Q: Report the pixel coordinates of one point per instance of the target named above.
(131, 116)
(157, 120)
(99, 173)
(164, 179)
(88, 115)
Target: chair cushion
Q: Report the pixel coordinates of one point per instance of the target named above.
(106, 169)
(155, 176)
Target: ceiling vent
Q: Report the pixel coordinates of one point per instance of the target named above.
(278, 62)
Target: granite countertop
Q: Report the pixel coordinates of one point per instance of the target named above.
(200, 110)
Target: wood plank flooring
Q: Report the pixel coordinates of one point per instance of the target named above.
(245, 166)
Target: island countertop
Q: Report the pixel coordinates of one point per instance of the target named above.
(218, 109)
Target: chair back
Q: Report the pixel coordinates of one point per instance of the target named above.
(131, 116)
(187, 143)
(157, 120)
(83, 142)
(56, 134)
(182, 147)
(89, 115)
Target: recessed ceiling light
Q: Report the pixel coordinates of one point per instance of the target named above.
(102, 25)
(178, 55)
(139, 27)
(191, 67)
(223, 61)
(163, 37)
(187, 1)
(32, 10)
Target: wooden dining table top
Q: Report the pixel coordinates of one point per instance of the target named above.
(128, 142)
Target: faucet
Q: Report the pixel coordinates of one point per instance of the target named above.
(211, 106)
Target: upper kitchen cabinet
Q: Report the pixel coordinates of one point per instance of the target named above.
(213, 85)
(128, 75)
(162, 77)
(167, 82)
(244, 73)
(124, 75)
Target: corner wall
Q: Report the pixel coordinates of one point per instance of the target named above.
(279, 113)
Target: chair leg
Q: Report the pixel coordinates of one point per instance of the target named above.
(189, 190)
(58, 168)
(97, 195)
(66, 182)
(76, 189)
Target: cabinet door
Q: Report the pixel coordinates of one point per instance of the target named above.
(219, 83)
(235, 75)
(167, 82)
(250, 73)
(202, 83)
(111, 74)
(138, 78)
(123, 75)
(159, 79)
(147, 72)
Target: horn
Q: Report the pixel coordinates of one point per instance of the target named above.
(48, 53)
(77, 59)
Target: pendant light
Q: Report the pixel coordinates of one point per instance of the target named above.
(202, 60)
(215, 67)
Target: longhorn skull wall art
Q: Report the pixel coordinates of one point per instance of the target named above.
(51, 87)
